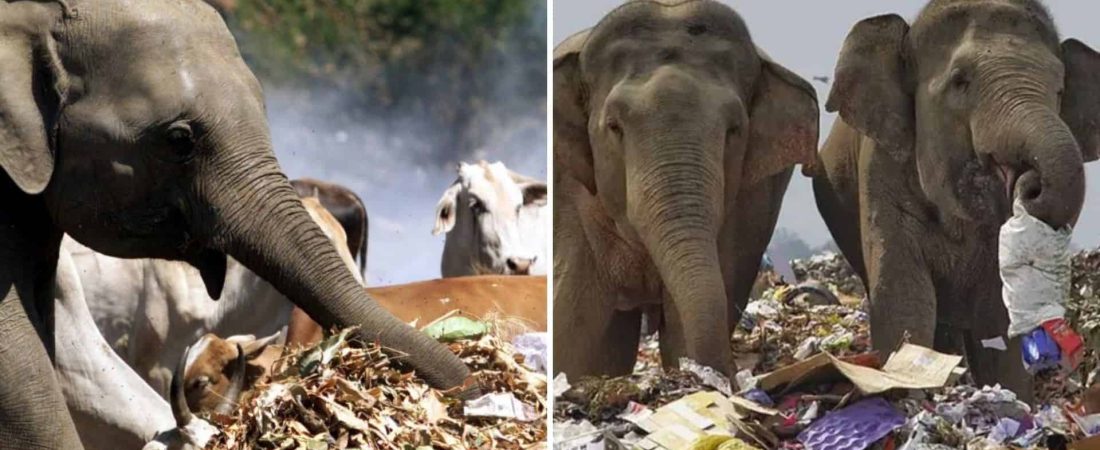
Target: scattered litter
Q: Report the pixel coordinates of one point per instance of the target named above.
(808, 379)
(532, 346)
(345, 393)
(456, 327)
(503, 405)
(707, 375)
(997, 343)
(853, 428)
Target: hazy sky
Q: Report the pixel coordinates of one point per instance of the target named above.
(315, 137)
(805, 36)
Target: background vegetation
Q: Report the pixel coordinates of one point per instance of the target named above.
(460, 68)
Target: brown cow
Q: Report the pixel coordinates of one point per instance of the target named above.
(208, 372)
(348, 209)
(511, 296)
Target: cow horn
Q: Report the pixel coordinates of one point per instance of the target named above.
(178, 396)
(236, 385)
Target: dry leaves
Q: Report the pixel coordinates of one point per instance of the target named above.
(344, 394)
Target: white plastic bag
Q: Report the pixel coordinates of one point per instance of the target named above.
(1035, 269)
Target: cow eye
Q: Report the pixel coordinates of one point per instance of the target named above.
(200, 382)
(476, 206)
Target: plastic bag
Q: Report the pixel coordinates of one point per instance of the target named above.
(1040, 352)
(1035, 269)
(456, 327)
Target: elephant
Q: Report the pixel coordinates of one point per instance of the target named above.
(674, 140)
(137, 128)
(942, 126)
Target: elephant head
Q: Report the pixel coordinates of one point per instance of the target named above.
(144, 133)
(984, 98)
(665, 112)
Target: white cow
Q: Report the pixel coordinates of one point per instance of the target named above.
(496, 222)
(111, 405)
(167, 307)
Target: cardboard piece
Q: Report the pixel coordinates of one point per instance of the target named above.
(677, 424)
(911, 367)
(1092, 443)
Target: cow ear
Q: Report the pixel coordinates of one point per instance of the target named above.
(29, 101)
(572, 150)
(783, 123)
(446, 209)
(253, 347)
(534, 191)
(1081, 98)
(534, 194)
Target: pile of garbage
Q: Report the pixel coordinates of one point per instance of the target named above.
(832, 268)
(809, 380)
(344, 393)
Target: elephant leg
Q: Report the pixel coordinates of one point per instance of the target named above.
(590, 336)
(903, 299)
(991, 366)
(839, 208)
(33, 413)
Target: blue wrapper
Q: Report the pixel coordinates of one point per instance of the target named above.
(1040, 351)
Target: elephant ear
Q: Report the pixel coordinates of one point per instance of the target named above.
(572, 150)
(25, 153)
(1081, 97)
(870, 88)
(784, 125)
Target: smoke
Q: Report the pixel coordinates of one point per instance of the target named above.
(395, 163)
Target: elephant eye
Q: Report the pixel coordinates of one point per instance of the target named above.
(614, 127)
(181, 139)
(959, 80)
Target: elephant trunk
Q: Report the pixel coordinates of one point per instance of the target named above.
(675, 202)
(262, 223)
(1046, 173)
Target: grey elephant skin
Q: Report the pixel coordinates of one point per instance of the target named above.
(137, 128)
(674, 140)
(942, 125)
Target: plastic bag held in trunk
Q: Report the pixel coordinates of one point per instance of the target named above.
(1035, 269)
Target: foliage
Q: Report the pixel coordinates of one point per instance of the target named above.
(453, 63)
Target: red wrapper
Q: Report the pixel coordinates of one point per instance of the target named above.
(1071, 344)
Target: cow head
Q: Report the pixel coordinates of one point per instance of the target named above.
(215, 371)
(193, 433)
(490, 215)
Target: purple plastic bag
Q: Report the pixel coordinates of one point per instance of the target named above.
(853, 428)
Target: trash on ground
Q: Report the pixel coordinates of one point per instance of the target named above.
(532, 346)
(807, 379)
(453, 327)
(355, 395)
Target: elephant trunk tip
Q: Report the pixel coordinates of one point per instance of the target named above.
(1056, 202)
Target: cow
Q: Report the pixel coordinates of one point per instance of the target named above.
(424, 301)
(111, 406)
(348, 209)
(208, 372)
(171, 317)
(496, 222)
